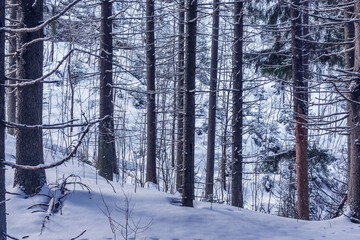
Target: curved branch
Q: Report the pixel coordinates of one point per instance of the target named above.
(51, 165)
(44, 24)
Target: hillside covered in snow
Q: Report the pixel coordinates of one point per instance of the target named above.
(89, 207)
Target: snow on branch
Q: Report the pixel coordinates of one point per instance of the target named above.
(44, 126)
(44, 24)
(51, 165)
(53, 126)
(31, 82)
(58, 163)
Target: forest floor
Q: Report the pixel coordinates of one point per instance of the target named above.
(95, 209)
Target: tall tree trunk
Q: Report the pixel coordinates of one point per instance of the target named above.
(306, 51)
(2, 125)
(150, 83)
(349, 32)
(107, 155)
(29, 142)
(225, 141)
(11, 104)
(354, 172)
(300, 112)
(212, 102)
(180, 99)
(237, 120)
(189, 103)
(174, 116)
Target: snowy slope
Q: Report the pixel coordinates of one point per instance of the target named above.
(157, 215)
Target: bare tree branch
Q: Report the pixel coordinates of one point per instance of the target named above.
(44, 24)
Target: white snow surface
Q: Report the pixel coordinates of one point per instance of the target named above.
(161, 211)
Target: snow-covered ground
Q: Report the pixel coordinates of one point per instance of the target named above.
(152, 214)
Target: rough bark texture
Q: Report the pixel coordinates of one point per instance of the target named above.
(150, 86)
(180, 99)
(2, 126)
(11, 93)
(300, 112)
(237, 120)
(189, 103)
(349, 33)
(212, 102)
(354, 171)
(107, 155)
(306, 52)
(29, 142)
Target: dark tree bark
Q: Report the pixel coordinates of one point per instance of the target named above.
(300, 112)
(189, 103)
(349, 33)
(180, 98)
(150, 86)
(174, 117)
(224, 143)
(107, 155)
(354, 171)
(29, 142)
(306, 50)
(212, 102)
(11, 95)
(2, 125)
(237, 120)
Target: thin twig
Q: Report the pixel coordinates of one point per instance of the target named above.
(78, 235)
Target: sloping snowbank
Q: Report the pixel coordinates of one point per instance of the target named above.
(153, 214)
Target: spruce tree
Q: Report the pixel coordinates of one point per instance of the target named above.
(189, 104)
(29, 141)
(107, 154)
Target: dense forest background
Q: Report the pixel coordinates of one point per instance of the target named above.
(249, 103)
